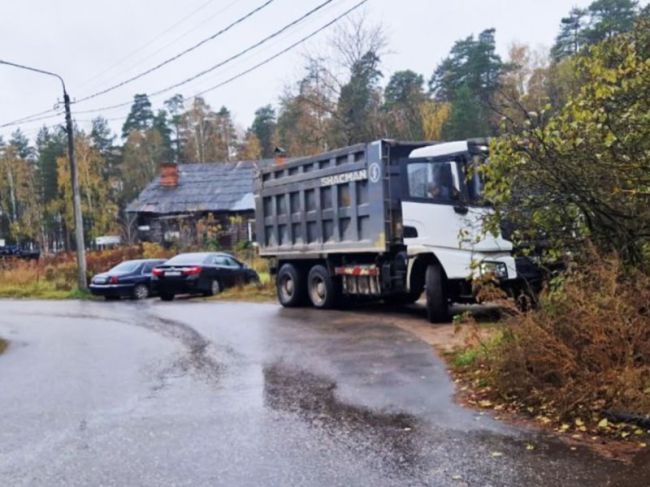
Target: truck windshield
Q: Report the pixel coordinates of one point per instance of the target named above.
(436, 181)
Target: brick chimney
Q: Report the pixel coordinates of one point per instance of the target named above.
(169, 174)
(280, 156)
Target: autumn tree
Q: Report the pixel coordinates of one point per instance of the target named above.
(98, 210)
(583, 172)
(305, 122)
(209, 136)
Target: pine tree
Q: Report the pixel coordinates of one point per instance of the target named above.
(175, 106)
(403, 99)
(140, 117)
(469, 78)
(609, 18)
(571, 37)
(264, 126)
(161, 124)
(359, 100)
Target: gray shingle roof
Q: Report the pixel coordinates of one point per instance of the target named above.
(219, 186)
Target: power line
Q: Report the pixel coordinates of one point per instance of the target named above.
(283, 51)
(173, 41)
(218, 65)
(147, 44)
(242, 73)
(38, 116)
(179, 55)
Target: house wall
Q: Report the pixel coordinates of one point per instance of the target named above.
(223, 230)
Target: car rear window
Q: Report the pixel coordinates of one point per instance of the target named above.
(184, 259)
(129, 266)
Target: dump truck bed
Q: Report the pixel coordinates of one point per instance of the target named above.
(335, 202)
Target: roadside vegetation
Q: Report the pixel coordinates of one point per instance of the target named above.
(574, 181)
(3, 345)
(54, 277)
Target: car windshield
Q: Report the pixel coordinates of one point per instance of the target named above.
(185, 259)
(128, 266)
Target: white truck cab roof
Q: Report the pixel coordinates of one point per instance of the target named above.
(442, 149)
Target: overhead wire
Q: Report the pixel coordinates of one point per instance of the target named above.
(180, 54)
(218, 65)
(176, 39)
(244, 72)
(36, 116)
(148, 43)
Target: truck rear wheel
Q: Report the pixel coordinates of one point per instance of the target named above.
(290, 286)
(321, 288)
(437, 303)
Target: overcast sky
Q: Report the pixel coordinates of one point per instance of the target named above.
(94, 45)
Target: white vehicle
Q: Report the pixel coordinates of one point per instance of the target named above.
(387, 219)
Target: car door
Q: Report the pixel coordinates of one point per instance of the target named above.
(147, 268)
(237, 269)
(223, 272)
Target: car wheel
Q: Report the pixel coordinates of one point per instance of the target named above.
(167, 296)
(437, 302)
(140, 291)
(321, 288)
(215, 288)
(290, 286)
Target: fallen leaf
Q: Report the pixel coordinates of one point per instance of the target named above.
(579, 422)
(485, 403)
(603, 423)
(497, 454)
(530, 447)
(563, 428)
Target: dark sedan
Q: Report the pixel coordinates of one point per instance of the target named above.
(131, 278)
(205, 273)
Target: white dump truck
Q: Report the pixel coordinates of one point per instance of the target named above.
(386, 220)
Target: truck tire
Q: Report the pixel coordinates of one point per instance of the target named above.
(321, 288)
(437, 303)
(290, 286)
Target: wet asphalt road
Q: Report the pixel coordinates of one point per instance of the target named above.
(214, 393)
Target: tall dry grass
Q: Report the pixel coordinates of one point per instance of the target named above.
(586, 349)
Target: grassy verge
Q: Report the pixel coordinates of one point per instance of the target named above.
(3, 345)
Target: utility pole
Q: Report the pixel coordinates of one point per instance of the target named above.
(76, 198)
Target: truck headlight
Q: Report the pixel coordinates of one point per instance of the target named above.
(497, 269)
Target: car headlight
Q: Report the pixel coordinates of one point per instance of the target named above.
(496, 269)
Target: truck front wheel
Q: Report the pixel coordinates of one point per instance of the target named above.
(290, 285)
(437, 303)
(321, 288)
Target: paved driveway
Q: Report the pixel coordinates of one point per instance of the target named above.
(214, 393)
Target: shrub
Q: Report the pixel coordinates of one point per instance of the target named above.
(585, 349)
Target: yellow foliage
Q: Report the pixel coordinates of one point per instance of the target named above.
(434, 115)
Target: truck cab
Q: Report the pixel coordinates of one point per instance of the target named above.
(442, 212)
